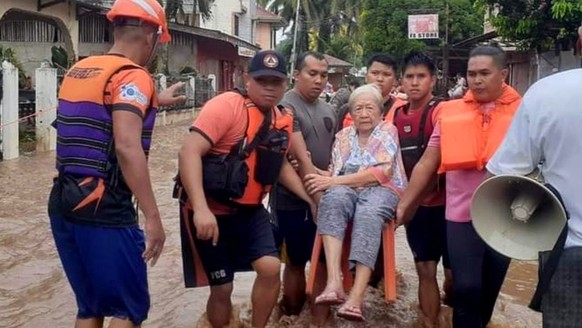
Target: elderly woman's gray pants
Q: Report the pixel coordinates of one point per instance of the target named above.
(368, 209)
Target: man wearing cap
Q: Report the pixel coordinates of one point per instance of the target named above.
(105, 117)
(230, 234)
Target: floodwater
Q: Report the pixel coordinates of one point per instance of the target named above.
(35, 293)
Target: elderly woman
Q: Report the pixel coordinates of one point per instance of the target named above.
(366, 179)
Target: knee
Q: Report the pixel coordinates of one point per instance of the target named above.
(339, 195)
(221, 293)
(426, 271)
(268, 267)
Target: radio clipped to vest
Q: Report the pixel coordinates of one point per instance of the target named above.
(225, 177)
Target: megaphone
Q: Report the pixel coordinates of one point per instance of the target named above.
(517, 216)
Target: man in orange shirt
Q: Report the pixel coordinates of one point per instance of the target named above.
(234, 234)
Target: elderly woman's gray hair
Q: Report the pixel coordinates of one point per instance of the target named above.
(370, 89)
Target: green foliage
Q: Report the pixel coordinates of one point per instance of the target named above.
(59, 58)
(188, 70)
(7, 54)
(385, 24)
(536, 24)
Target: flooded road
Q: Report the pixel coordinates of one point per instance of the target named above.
(35, 293)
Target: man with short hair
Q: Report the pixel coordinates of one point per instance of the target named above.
(481, 117)
(227, 233)
(340, 99)
(382, 72)
(314, 129)
(426, 232)
(104, 134)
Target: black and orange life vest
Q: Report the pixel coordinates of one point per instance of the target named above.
(469, 138)
(280, 127)
(282, 121)
(84, 122)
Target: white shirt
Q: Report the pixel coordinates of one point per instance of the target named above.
(548, 127)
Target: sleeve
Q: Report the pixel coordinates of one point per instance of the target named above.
(435, 137)
(215, 119)
(296, 122)
(520, 152)
(132, 90)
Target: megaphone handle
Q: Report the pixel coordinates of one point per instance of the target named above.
(549, 268)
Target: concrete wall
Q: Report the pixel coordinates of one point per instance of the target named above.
(264, 34)
(245, 21)
(223, 17)
(92, 49)
(31, 55)
(63, 12)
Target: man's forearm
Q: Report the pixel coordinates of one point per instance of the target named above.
(420, 180)
(133, 164)
(290, 180)
(191, 177)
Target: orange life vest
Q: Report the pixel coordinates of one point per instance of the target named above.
(280, 120)
(469, 138)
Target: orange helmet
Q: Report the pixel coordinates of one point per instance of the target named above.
(146, 10)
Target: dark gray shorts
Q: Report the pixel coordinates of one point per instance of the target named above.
(562, 304)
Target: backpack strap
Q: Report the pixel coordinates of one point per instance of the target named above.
(387, 106)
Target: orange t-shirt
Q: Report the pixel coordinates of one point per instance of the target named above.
(223, 122)
(131, 90)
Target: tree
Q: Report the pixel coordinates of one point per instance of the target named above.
(385, 24)
(536, 24)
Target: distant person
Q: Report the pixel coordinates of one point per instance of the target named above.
(382, 71)
(339, 101)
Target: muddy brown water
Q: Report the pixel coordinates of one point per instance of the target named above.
(35, 293)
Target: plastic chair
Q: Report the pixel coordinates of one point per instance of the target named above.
(388, 249)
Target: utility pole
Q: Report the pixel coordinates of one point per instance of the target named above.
(294, 49)
(446, 48)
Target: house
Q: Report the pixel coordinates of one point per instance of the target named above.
(32, 27)
(267, 24)
(338, 69)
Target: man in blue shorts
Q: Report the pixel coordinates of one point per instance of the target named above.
(105, 117)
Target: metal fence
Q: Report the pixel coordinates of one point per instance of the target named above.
(196, 89)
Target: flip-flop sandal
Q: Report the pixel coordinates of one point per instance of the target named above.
(351, 313)
(330, 298)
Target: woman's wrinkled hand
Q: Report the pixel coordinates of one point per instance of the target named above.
(315, 183)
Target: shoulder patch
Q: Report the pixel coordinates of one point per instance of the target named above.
(131, 92)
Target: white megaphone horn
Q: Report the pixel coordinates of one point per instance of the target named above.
(518, 216)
